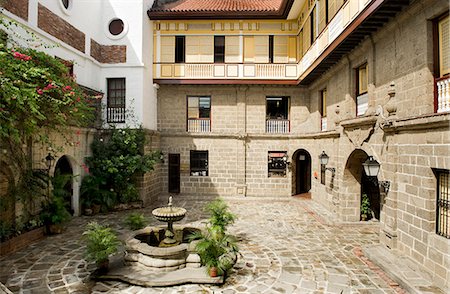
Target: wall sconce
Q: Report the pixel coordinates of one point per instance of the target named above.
(324, 161)
(49, 160)
(372, 168)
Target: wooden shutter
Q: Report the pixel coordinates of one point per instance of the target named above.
(307, 35)
(261, 49)
(168, 49)
(444, 46)
(322, 15)
(292, 53)
(232, 49)
(280, 49)
(249, 49)
(200, 49)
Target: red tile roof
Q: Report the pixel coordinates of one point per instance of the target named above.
(219, 5)
(219, 8)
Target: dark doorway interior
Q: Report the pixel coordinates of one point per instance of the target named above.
(303, 171)
(63, 167)
(174, 173)
(372, 190)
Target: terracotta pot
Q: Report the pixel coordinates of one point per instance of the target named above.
(102, 266)
(213, 272)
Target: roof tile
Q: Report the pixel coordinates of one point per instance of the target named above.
(217, 6)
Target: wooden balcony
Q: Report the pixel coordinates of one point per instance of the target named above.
(443, 94)
(277, 126)
(115, 114)
(220, 71)
(199, 125)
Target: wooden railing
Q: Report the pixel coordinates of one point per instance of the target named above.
(277, 126)
(199, 125)
(443, 94)
(115, 114)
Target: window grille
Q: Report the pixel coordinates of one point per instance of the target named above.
(443, 204)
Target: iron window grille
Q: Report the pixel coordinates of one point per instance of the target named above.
(116, 100)
(443, 203)
(199, 163)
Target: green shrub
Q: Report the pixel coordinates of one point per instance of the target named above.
(220, 217)
(101, 242)
(135, 221)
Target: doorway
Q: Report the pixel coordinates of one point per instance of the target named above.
(64, 168)
(302, 173)
(174, 173)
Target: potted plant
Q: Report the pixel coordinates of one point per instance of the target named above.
(217, 250)
(101, 242)
(54, 213)
(365, 207)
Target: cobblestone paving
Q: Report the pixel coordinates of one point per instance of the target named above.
(286, 248)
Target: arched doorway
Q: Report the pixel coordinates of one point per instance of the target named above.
(302, 171)
(357, 184)
(64, 168)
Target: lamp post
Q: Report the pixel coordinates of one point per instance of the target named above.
(49, 160)
(372, 168)
(324, 161)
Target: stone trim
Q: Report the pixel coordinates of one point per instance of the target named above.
(17, 7)
(429, 121)
(358, 122)
(108, 53)
(321, 135)
(60, 29)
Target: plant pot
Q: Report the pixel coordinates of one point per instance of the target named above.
(102, 266)
(53, 229)
(213, 272)
(96, 208)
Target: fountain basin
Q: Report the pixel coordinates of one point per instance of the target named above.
(169, 214)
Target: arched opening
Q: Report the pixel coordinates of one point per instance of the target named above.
(64, 168)
(301, 165)
(357, 186)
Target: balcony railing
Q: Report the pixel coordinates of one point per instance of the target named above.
(324, 124)
(115, 114)
(277, 126)
(199, 125)
(226, 71)
(443, 94)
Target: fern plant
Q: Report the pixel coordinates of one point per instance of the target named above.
(101, 242)
(135, 221)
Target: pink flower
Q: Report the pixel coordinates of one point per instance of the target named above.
(78, 99)
(67, 88)
(86, 169)
(40, 91)
(72, 93)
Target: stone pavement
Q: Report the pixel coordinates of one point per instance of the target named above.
(287, 246)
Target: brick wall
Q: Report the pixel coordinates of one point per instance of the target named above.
(61, 29)
(17, 7)
(108, 53)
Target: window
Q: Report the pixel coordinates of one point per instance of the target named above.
(323, 109)
(219, 49)
(116, 100)
(277, 109)
(443, 203)
(116, 27)
(277, 163)
(65, 3)
(271, 49)
(199, 114)
(442, 63)
(362, 98)
(180, 45)
(199, 163)
(312, 17)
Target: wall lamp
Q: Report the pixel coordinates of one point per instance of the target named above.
(49, 160)
(372, 168)
(324, 161)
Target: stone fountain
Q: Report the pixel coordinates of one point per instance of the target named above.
(169, 215)
(158, 256)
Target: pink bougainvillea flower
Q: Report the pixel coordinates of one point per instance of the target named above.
(40, 91)
(78, 99)
(72, 93)
(86, 169)
(67, 88)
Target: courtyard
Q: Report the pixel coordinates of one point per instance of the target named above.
(288, 245)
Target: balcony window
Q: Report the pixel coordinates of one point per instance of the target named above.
(219, 49)
(312, 17)
(277, 163)
(199, 163)
(180, 49)
(323, 109)
(442, 83)
(271, 49)
(277, 109)
(116, 100)
(362, 98)
(199, 114)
